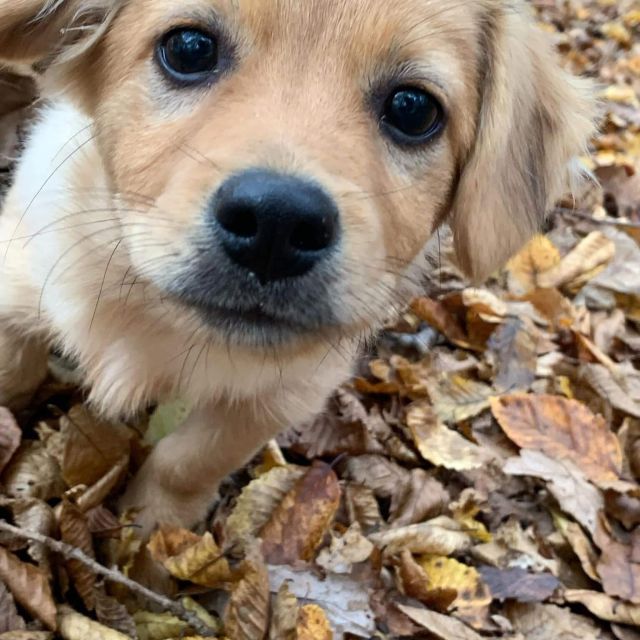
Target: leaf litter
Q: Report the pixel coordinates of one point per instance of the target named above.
(478, 479)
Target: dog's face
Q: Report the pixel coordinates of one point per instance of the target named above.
(282, 164)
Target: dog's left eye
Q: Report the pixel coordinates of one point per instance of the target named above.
(188, 55)
(412, 115)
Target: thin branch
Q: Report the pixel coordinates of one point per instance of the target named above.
(583, 215)
(112, 575)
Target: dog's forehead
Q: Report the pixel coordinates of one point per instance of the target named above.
(364, 29)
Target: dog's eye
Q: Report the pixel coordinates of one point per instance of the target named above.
(188, 55)
(413, 113)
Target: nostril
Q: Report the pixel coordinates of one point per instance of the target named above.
(239, 221)
(313, 235)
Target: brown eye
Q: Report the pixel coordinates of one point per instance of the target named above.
(188, 55)
(413, 114)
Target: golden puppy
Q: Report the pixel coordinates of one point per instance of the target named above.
(222, 198)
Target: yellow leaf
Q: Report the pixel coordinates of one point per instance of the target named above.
(158, 626)
(447, 573)
(73, 626)
(456, 398)
(440, 445)
(313, 624)
(538, 256)
(192, 558)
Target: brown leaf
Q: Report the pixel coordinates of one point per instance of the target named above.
(441, 626)
(456, 398)
(29, 586)
(10, 437)
(566, 482)
(74, 530)
(420, 499)
(384, 477)
(519, 585)
(345, 551)
(27, 635)
(313, 624)
(33, 473)
(247, 614)
(605, 607)
(114, 615)
(189, 557)
(537, 257)
(610, 389)
(619, 565)
(9, 618)
(284, 617)
(92, 446)
(302, 519)
(258, 501)
(362, 507)
(514, 356)
(440, 445)
(564, 430)
(441, 536)
(35, 515)
(440, 318)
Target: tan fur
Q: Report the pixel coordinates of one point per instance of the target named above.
(98, 221)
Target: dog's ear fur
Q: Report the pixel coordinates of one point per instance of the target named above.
(534, 121)
(40, 32)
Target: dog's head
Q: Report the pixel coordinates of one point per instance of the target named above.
(282, 163)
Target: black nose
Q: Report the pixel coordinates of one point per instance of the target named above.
(277, 226)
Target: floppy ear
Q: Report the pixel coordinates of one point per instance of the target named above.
(534, 120)
(43, 31)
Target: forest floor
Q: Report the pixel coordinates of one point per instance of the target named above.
(478, 479)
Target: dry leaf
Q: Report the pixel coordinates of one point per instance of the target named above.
(73, 626)
(440, 445)
(605, 607)
(247, 614)
(114, 615)
(26, 635)
(10, 437)
(618, 566)
(456, 399)
(537, 257)
(192, 558)
(345, 551)
(159, 626)
(564, 430)
(377, 473)
(33, 473)
(300, 522)
(258, 501)
(362, 507)
(421, 498)
(441, 536)
(440, 318)
(613, 390)
(29, 586)
(441, 626)
(566, 482)
(595, 251)
(9, 618)
(519, 585)
(583, 548)
(284, 616)
(35, 515)
(313, 624)
(74, 530)
(92, 446)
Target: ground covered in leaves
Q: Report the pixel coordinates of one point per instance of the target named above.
(479, 479)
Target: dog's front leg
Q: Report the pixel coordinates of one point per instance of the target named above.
(178, 482)
(23, 366)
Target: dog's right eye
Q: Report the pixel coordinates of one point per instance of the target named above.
(188, 55)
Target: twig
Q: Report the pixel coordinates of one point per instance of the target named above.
(112, 575)
(583, 215)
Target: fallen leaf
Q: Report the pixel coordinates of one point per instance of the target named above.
(593, 252)
(26, 635)
(605, 607)
(344, 599)
(297, 526)
(92, 446)
(10, 437)
(362, 507)
(537, 257)
(313, 624)
(441, 626)
(567, 483)
(159, 626)
(73, 626)
(383, 476)
(440, 445)
(345, 551)
(284, 615)
(456, 398)
(9, 618)
(33, 473)
(440, 318)
(618, 566)
(29, 586)
(519, 585)
(74, 530)
(514, 356)
(421, 498)
(114, 615)
(610, 389)
(441, 536)
(35, 515)
(247, 613)
(258, 501)
(192, 558)
(564, 430)
(583, 548)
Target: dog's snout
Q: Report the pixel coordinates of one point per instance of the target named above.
(274, 225)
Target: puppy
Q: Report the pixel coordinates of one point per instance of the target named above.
(222, 198)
